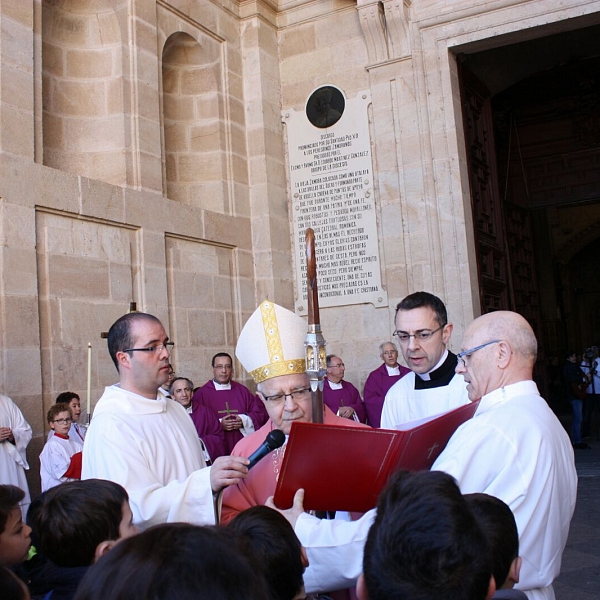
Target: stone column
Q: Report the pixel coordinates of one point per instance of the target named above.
(271, 238)
(16, 78)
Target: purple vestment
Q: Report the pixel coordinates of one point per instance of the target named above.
(209, 430)
(347, 396)
(376, 387)
(240, 400)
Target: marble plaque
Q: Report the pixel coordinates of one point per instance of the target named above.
(331, 184)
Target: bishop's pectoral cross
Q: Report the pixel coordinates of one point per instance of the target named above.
(430, 452)
(227, 410)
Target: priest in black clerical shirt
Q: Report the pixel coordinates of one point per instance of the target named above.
(423, 333)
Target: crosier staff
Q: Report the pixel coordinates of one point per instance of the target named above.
(316, 364)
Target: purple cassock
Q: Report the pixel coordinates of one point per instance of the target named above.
(209, 429)
(239, 400)
(347, 396)
(376, 387)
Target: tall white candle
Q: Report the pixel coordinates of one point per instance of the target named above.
(89, 384)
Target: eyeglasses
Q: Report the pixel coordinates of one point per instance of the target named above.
(299, 395)
(63, 421)
(168, 346)
(336, 366)
(421, 336)
(466, 353)
(391, 352)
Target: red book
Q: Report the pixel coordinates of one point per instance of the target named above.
(345, 468)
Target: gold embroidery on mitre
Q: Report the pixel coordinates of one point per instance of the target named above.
(288, 367)
(277, 365)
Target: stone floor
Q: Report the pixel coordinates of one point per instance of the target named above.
(580, 574)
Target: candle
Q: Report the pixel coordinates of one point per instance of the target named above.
(89, 384)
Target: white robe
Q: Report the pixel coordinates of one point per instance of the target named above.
(13, 460)
(514, 448)
(152, 449)
(517, 450)
(404, 403)
(56, 458)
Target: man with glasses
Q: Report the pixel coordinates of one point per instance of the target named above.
(271, 349)
(341, 396)
(423, 332)
(514, 448)
(381, 380)
(238, 409)
(147, 442)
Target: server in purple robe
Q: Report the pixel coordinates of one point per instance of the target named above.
(238, 409)
(206, 422)
(339, 395)
(381, 380)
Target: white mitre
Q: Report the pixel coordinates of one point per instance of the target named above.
(272, 343)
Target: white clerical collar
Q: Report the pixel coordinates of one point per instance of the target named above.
(221, 386)
(393, 370)
(335, 386)
(425, 376)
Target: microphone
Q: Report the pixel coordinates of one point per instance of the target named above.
(274, 440)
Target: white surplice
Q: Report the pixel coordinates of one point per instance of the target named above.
(152, 449)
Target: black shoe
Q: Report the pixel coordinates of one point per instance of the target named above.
(582, 446)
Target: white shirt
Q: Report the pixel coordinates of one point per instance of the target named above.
(391, 371)
(152, 449)
(515, 449)
(594, 386)
(404, 403)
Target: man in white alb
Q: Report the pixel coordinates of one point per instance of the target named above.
(147, 442)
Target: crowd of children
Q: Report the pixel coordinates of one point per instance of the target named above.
(427, 538)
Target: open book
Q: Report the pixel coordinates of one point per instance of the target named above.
(345, 468)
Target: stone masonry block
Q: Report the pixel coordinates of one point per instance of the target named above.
(207, 327)
(19, 269)
(89, 64)
(72, 276)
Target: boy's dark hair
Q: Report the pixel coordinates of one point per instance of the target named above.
(499, 527)
(56, 409)
(174, 560)
(119, 334)
(66, 397)
(71, 519)
(268, 540)
(219, 355)
(10, 496)
(425, 542)
(425, 299)
(11, 587)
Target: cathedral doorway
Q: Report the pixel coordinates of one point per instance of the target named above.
(531, 114)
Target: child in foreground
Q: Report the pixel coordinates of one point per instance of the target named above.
(498, 524)
(75, 524)
(268, 541)
(15, 539)
(174, 560)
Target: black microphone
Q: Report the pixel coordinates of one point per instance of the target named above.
(274, 440)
